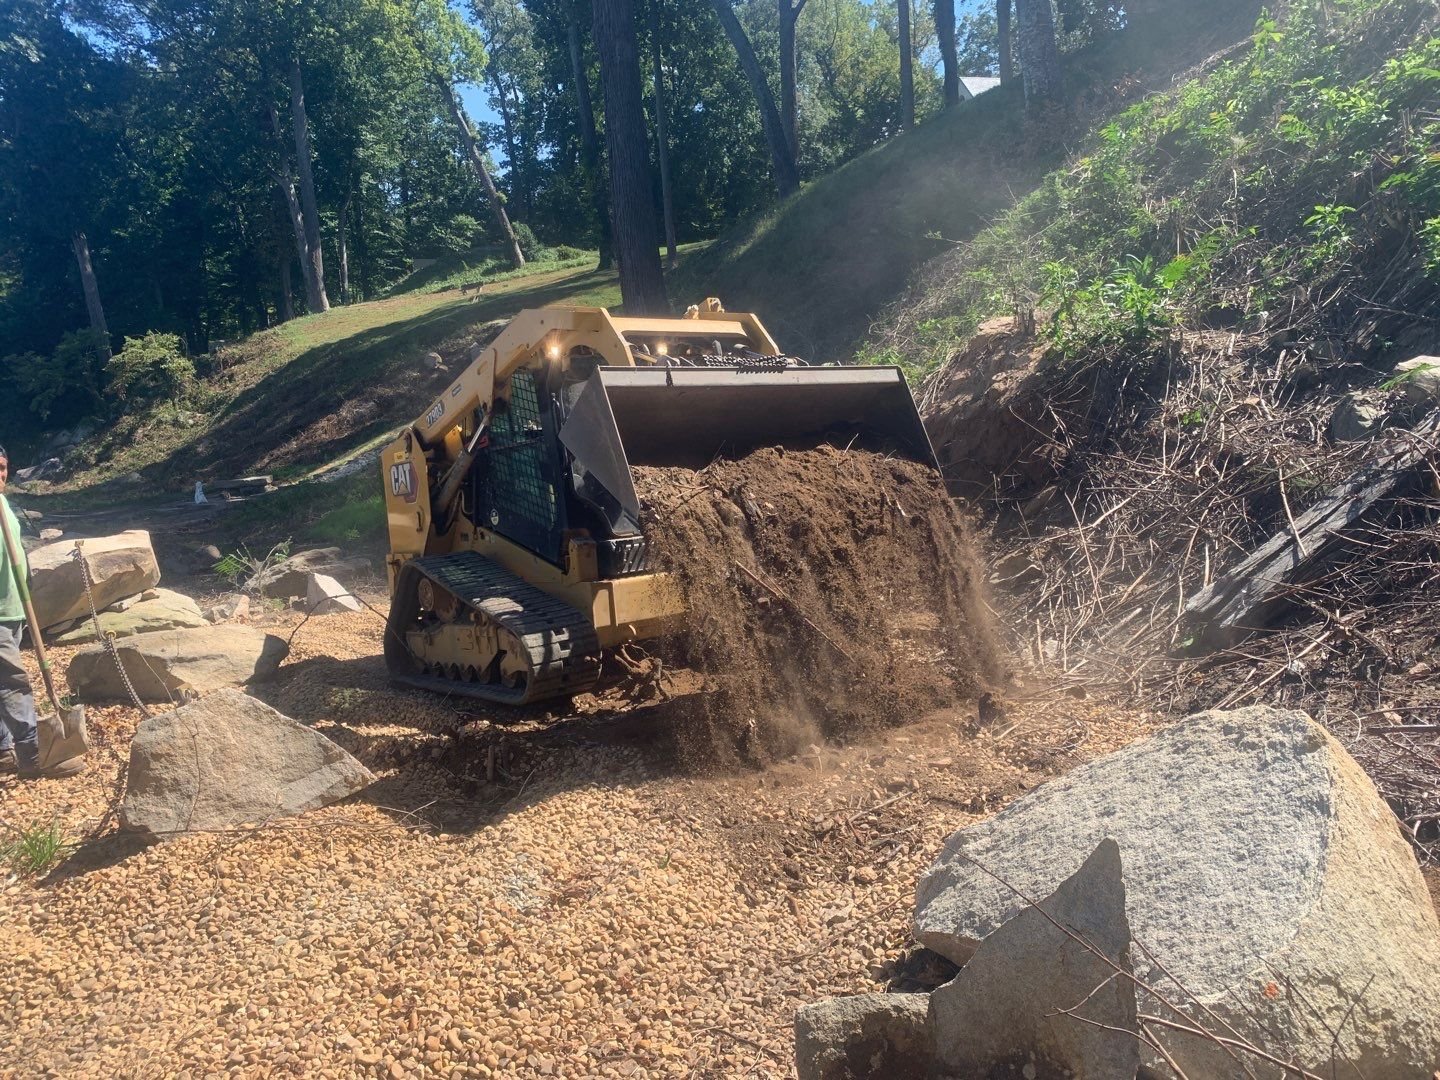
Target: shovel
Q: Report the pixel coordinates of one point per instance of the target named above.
(63, 738)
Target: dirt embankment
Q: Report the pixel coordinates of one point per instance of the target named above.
(829, 590)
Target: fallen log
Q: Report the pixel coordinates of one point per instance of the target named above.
(1264, 587)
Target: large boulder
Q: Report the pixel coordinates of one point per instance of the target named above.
(120, 566)
(175, 665)
(229, 760)
(868, 1035)
(1005, 1006)
(1262, 870)
(291, 578)
(169, 610)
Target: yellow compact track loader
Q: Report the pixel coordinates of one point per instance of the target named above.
(516, 548)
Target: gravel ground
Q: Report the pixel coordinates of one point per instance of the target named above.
(588, 912)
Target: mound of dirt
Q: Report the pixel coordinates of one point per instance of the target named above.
(829, 590)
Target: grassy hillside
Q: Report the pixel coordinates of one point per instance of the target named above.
(1293, 186)
(312, 390)
(823, 266)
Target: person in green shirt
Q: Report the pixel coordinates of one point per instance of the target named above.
(19, 739)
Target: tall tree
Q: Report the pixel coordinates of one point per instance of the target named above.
(1002, 36)
(949, 60)
(642, 284)
(312, 257)
(906, 43)
(1039, 55)
(789, 14)
(453, 52)
(590, 142)
(95, 310)
(662, 139)
(482, 171)
(782, 155)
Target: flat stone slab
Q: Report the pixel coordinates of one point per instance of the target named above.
(229, 760)
(168, 611)
(172, 666)
(1257, 855)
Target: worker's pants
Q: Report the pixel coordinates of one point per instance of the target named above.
(17, 700)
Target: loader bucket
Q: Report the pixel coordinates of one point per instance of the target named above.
(684, 416)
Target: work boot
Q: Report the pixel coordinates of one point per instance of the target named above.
(8, 764)
(63, 743)
(58, 771)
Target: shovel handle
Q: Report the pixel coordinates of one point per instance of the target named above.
(12, 550)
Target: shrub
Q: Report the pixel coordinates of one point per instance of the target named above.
(149, 368)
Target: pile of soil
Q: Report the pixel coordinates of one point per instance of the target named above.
(828, 591)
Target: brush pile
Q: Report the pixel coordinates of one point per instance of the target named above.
(1158, 490)
(828, 590)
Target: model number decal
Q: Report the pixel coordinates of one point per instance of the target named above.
(436, 411)
(402, 481)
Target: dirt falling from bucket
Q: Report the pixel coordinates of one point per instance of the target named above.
(828, 591)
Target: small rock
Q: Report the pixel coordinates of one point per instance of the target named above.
(1355, 418)
(209, 552)
(48, 535)
(1419, 380)
(234, 608)
(292, 577)
(868, 1035)
(326, 596)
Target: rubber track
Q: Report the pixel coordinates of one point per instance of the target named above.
(562, 650)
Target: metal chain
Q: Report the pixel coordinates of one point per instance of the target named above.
(108, 640)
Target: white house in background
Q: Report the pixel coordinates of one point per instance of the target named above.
(972, 86)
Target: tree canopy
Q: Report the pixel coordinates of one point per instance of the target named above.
(208, 168)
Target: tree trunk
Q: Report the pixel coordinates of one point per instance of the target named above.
(314, 267)
(91, 288)
(782, 159)
(1002, 35)
(287, 305)
(907, 67)
(642, 285)
(477, 164)
(1039, 56)
(297, 225)
(590, 148)
(344, 250)
(662, 143)
(512, 149)
(949, 60)
(789, 15)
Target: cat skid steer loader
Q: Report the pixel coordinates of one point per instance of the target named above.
(517, 552)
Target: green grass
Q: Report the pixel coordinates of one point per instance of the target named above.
(488, 265)
(339, 513)
(35, 850)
